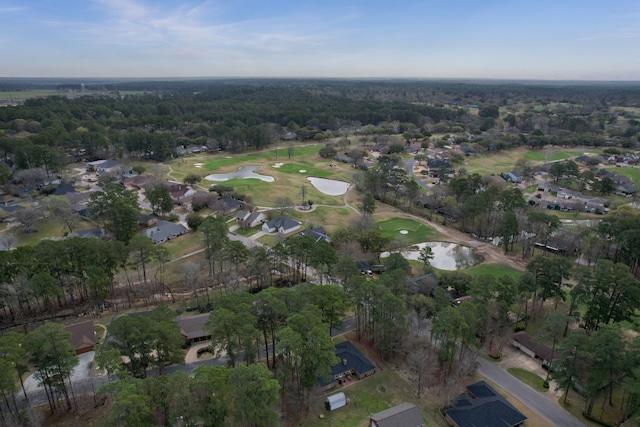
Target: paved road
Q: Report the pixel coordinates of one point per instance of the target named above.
(552, 413)
(408, 167)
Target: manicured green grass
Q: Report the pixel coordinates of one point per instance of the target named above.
(529, 378)
(633, 173)
(550, 155)
(495, 270)
(299, 152)
(417, 232)
(308, 170)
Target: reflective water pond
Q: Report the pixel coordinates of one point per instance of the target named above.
(446, 255)
(330, 187)
(243, 172)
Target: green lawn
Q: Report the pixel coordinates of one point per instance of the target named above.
(246, 232)
(417, 232)
(495, 270)
(299, 152)
(627, 171)
(308, 170)
(374, 394)
(550, 155)
(183, 245)
(529, 378)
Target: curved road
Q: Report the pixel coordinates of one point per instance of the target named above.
(552, 413)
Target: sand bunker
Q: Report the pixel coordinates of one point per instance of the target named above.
(198, 165)
(243, 172)
(404, 232)
(330, 187)
(302, 170)
(277, 165)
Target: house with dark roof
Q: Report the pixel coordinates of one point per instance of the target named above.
(63, 188)
(424, 284)
(118, 169)
(83, 337)
(482, 406)
(192, 327)
(317, 234)
(402, 415)
(90, 233)
(163, 231)
(626, 190)
(147, 219)
(351, 362)
(226, 205)
(282, 225)
(525, 343)
(435, 166)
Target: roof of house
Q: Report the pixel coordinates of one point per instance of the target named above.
(63, 188)
(317, 234)
(164, 230)
(438, 163)
(282, 221)
(483, 406)
(110, 164)
(363, 264)
(254, 216)
(193, 326)
(228, 204)
(95, 233)
(242, 215)
(350, 359)
(82, 334)
(540, 350)
(423, 284)
(403, 415)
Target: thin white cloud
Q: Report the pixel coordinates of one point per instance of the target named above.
(183, 30)
(11, 9)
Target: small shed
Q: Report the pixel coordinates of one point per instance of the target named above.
(335, 401)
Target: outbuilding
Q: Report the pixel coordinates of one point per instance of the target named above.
(335, 401)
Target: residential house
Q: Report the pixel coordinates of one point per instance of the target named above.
(343, 158)
(626, 190)
(180, 193)
(481, 405)
(139, 181)
(63, 188)
(402, 415)
(425, 284)
(525, 343)
(436, 166)
(83, 337)
(148, 219)
(114, 167)
(317, 234)
(380, 148)
(621, 179)
(282, 225)
(250, 219)
(351, 362)
(226, 205)
(163, 231)
(90, 233)
(495, 181)
(513, 177)
(192, 327)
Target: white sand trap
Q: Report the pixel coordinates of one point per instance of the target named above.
(277, 165)
(302, 170)
(330, 187)
(404, 232)
(198, 164)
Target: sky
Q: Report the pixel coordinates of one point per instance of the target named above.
(483, 39)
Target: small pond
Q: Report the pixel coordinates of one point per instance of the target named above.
(243, 172)
(446, 255)
(330, 187)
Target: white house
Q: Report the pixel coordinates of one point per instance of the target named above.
(335, 401)
(282, 225)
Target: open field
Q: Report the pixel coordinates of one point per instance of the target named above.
(628, 171)
(494, 162)
(417, 232)
(529, 378)
(288, 178)
(328, 217)
(495, 270)
(551, 155)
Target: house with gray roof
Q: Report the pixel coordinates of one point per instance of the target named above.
(317, 234)
(351, 361)
(192, 327)
(282, 225)
(402, 415)
(163, 231)
(481, 405)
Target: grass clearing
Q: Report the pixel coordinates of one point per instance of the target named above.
(183, 245)
(308, 170)
(550, 155)
(633, 173)
(417, 232)
(529, 378)
(330, 218)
